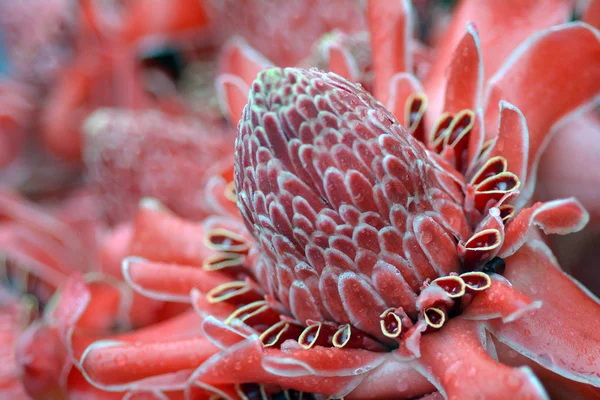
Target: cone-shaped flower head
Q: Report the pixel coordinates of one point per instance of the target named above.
(348, 208)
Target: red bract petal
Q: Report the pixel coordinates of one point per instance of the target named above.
(455, 359)
(549, 336)
(169, 282)
(393, 379)
(500, 300)
(556, 385)
(558, 217)
(161, 236)
(512, 142)
(118, 365)
(465, 76)
(322, 370)
(544, 91)
(390, 26)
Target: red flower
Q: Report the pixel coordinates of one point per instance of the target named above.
(390, 249)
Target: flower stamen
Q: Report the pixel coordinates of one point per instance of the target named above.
(221, 261)
(453, 285)
(390, 323)
(221, 239)
(435, 317)
(476, 281)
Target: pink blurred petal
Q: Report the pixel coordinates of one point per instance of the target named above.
(565, 165)
(391, 41)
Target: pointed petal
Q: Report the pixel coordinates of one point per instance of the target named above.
(500, 300)
(554, 217)
(391, 36)
(512, 141)
(563, 335)
(548, 79)
(465, 78)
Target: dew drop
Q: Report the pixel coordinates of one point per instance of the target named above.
(120, 360)
(513, 382)
(426, 238)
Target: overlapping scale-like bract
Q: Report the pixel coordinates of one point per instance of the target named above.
(347, 206)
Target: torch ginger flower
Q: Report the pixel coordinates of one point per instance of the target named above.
(389, 252)
(373, 269)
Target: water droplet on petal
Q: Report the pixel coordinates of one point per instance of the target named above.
(513, 382)
(120, 360)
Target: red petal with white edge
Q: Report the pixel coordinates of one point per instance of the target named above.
(502, 25)
(557, 386)
(160, 235)
(500, 300)
(512, 141)
(465, 78)
(402, 85)
(456, 361)
(391, 35)
(559, 217)
(552, 75)
(324, 370)
(393, 379)
(563, 336)
(169, 282)
(116, 365)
